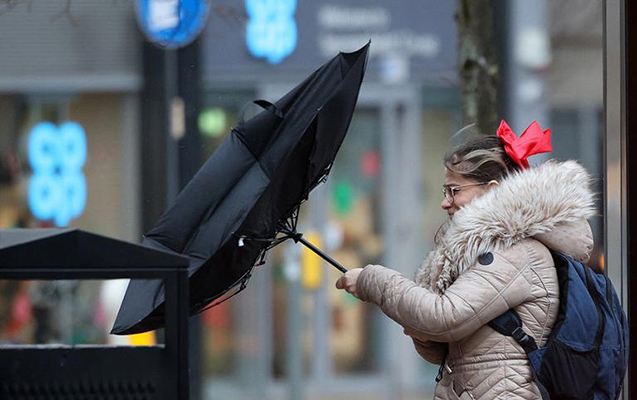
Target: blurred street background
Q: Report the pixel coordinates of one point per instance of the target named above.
(140, 120)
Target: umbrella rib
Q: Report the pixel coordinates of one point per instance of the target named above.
(289, 229)
(243, 282)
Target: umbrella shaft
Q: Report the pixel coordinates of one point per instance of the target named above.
(324, 256)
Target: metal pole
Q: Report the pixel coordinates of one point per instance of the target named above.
(155, 125)
(388, 353)
(321, 317)
(294, 353)
(617, 120)
(527, 58)
(172, 154)
(188, 153)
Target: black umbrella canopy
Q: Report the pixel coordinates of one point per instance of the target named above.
(249, 191)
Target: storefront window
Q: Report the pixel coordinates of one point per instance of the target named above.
(92, 167)
(355, 218)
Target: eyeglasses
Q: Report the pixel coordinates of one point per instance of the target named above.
(450, 191)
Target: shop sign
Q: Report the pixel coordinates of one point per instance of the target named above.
(271, 31)
(256, 39)
(57, 189)
(172, 23)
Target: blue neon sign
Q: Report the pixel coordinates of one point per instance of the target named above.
(271, 32)
(57, 190)
(172, 23)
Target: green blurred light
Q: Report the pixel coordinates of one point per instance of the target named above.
(212, 122)
(343, 197)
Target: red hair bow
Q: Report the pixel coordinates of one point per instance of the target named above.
(532, 141)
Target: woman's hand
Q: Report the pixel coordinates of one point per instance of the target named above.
(348, 281)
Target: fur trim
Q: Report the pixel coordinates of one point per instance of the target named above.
(526, 203)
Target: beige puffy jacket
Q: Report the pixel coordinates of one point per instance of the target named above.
(494, 255)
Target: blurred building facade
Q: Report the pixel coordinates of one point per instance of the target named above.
(88, 64)
(82, 64)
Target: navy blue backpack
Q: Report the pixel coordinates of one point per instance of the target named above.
(586, 355)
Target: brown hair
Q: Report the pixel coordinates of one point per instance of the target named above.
(481, 159)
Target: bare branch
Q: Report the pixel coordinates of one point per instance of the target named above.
(6, 6)
(9, 5)
(66, 12)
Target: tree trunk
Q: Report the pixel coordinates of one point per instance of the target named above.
(477, 66)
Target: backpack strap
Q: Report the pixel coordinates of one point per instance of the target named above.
(510, 324)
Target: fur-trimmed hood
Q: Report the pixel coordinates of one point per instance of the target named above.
(536, 202)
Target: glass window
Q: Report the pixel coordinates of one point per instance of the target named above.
(354, 217)
(67, 160)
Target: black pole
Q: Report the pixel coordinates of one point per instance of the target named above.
(628, 11)
(154, 135)
(189, 88)
(320, 253)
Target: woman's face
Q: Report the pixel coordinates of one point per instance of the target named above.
(464, 190)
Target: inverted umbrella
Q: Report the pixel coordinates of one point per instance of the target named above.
(245, 198)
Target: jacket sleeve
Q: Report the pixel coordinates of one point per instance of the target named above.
(431, 351)
(480, 294)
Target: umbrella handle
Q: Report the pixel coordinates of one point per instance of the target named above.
(320, 253)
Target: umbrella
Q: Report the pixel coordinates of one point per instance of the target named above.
(245, 198)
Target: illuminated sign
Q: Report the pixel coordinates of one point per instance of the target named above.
(172, 23)
(411, 40)
(271, 31)
(57, 190)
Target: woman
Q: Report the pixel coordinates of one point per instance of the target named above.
(492, 255)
